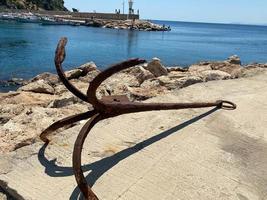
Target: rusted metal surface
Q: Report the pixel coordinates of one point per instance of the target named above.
(108, 106)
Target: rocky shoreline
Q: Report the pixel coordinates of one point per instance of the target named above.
(140, 25)
(26, 112)
(43, 100)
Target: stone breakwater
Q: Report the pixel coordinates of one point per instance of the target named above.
(49, 19)
(141, 25)
(24, 114)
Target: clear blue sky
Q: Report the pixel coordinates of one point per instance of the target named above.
(224, 11)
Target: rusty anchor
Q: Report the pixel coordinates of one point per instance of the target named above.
(107, 107)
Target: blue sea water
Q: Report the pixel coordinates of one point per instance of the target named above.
(28, 49)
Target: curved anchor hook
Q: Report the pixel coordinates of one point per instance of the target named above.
(108, 106)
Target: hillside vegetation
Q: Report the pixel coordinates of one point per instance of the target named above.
(33, 4)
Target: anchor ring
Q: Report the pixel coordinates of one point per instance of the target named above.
(227, 105)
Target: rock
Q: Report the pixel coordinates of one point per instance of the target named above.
(172, 84)
(64, 101)
(211, 75)
(167, 82)
(178, 74)
(74, 74)
(231, 69)
(258, 65)
(234, 60)
(14, 103)
(89, 76)
(50, 78)
(236, 73)
(251, 70)
(140, 94)
(88, 67)
(141, 74)
(156, 68)
(199, 68)
(151, 83)
(118, 84)
(190, 80)
(39, 86)
(8, 111)
(25, 128)
(177, 69)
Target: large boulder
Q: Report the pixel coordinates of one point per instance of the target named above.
(178, 74)
(74, 74)
(64, 101)
(117, 85)
(39, 86)
(25, 128)
(81, 71)
(88, 67)
(15, 102)
(151, 83)
(234, 60)
(177, 69)
(189, 80)
(8, 111)
(50, 78)
(211, 75)
(156, 68)
(140, 73)
(256, 65)
(251, 70)
(89, 76)
(143, 93)
(232, 69)
(174, 83)
(199, 68)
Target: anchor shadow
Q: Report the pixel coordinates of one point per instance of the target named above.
(98, 168)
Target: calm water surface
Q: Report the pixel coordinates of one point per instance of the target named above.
(28, 49)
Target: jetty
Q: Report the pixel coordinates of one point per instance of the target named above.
(104, 20)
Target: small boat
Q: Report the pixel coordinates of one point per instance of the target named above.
(52, 21)
(7, 17)
(28, 19)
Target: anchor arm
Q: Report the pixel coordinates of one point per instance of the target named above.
(63, 122)
(59, 59)
(76, 159)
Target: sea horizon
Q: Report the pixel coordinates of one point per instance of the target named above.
(203, 22)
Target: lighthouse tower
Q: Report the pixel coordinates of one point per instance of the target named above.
(131, 10)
